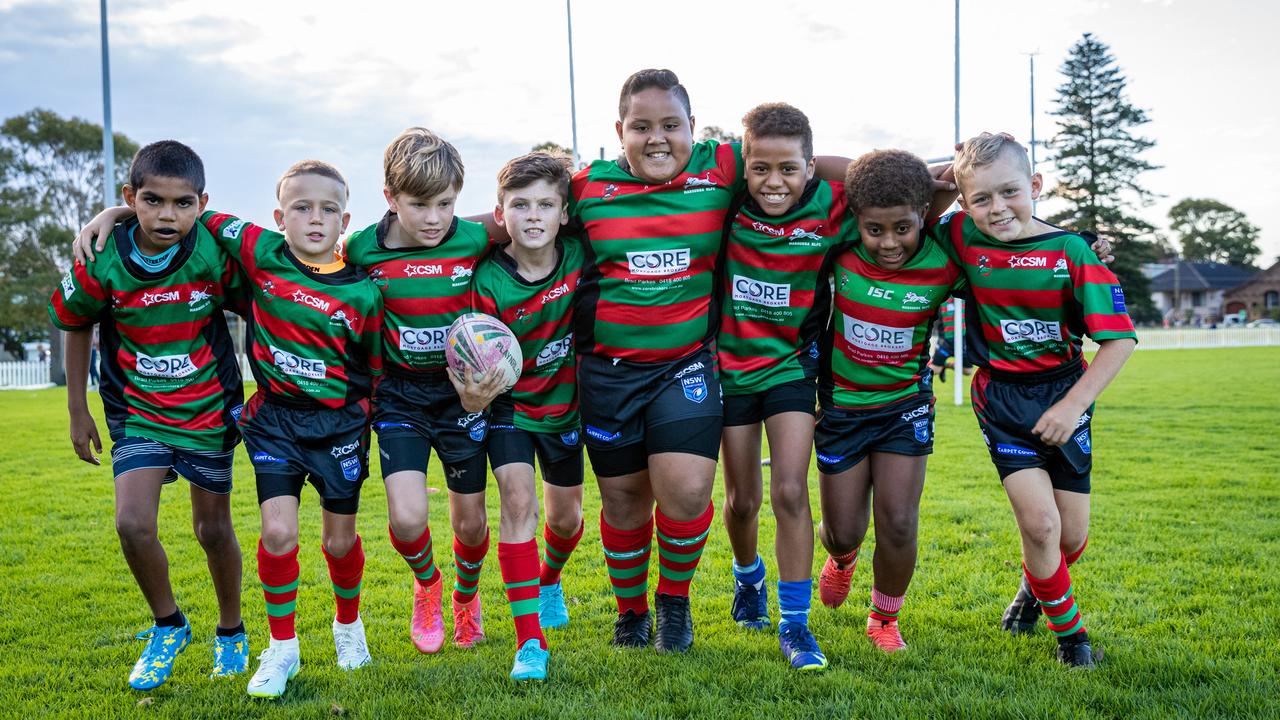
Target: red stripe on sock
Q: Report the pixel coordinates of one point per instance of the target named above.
(1051, 590)
(681, 530)
(473, 554)
(413, 549)
(565, 546)
(626, 541)
(346, 572)
(519, 564)
(277, 570)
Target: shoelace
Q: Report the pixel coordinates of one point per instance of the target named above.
(527, 655)
(274, 657)
(800, 640)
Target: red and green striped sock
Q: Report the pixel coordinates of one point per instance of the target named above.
(467, 562)
(1058, 600)
(556, 554)
(519, 565)
(680, 549)
(885, 608)
(626, 553)
(279, 577)
(419, 555)
(346, 573)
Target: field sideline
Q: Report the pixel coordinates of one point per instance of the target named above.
(1178, 588)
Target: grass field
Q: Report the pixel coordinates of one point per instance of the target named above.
(1178, 587)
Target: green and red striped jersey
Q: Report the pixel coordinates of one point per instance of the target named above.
(169, 370)
(776, 296)
(423, 289)
(651, 251)
(876, 350)
(313, 340)
(540, 313)
(1034, 299)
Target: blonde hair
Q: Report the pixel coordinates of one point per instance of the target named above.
(422, 164)
(313, 167)
(982, 150)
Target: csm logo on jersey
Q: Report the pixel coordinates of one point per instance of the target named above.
(761, 293)
(878, 338)
(422, 339)
(165, 366)
(1028, 261)
(555, 350)
(658, 262)
(291, 364)
(1033, 330)
(150, 298)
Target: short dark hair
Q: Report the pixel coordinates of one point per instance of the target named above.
(777, 120)
(313, 167)
(167, 158)
(888, 178)
(527, 169)
(651, 78)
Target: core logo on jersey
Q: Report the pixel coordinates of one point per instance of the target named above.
(694, 387)
(200, 299)
(423, 339)
(555, 350)
(339, 317)
(68, 285)
(303, 298)
(1060, 269)
(761, 293)
(1028, 261)
(291, 364)
(339, 450)
(165, 366)
(555, 292)
(913, 414)
(460, 274)
(232, 230)
(699, 184)
(877, 338)
(1033, 330)
(658, 262)
(767, 229)
(422, 270)
(1117, 299)
(149, 298)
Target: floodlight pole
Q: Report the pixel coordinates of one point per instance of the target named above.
(573, 104)
(958, 315)
(108, 142)
(1032, 57)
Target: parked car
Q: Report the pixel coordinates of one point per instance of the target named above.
(1263, 323)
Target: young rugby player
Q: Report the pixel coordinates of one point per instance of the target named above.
(170, 389)
(422, 258)
(776, 300)
(530, 285)
(1037, 291)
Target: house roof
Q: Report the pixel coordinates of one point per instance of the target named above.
(1200, 276)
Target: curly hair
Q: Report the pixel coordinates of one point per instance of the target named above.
(651, 78)
(777, 120)
(421, 164)
(888, 178)
(527, 169)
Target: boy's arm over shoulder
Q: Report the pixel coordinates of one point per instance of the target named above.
(230, 232)
(79, 298)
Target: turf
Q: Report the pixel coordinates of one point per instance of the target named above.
(1178, 587)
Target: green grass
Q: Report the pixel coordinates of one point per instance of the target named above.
(1178, 587)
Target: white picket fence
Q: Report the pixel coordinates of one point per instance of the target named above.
(24, 374)
(1187, 338)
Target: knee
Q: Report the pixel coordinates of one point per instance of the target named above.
(134, 529)
(215, 534)
(790, 498)
(742, 505)
(471, 530)
(898, 529)
(565, 523)
(406, 524)
(1042, 530)
(338, 544)
(839, 541)
(279, 539)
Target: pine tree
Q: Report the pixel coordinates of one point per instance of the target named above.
(1098, 159)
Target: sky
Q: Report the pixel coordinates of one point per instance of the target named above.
(255, 86)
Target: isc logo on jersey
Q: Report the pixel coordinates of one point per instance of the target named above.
(555, 350)
(877, 338)
(165, 366)
(1033, 330)
(291, 364)
(658, 262)
(760, 293)
(423, 339)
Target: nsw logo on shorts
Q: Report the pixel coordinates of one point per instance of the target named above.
(569, 438)
(921, 428)
(1017, 450)
(477, 431)
(694, 387)
(236, 412)
(602, 435)
(350, 468)
(1085, 441)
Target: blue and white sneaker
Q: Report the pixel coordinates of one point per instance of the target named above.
(751, 606)
(531, 662)
(800, 648)
(552, 612)
(155, 665)
(230, 655)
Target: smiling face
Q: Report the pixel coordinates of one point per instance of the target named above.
(777, 172)
(999, 195)
(423, 221)
(656, 135)
(532, 214)
(891, 235)
(167, 208)
(312, 216)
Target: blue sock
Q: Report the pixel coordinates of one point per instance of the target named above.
(752, 574)
(793, 601)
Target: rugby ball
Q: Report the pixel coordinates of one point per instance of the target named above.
(477, 342)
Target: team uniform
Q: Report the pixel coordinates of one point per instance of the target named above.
(776, 301)
(945, 340)
(1034, 300)
(875, 388)
(416, 408)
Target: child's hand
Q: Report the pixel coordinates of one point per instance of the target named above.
(82, 249)
(84, 433)
(1102, 248)
(1057, 423)
(477, 391)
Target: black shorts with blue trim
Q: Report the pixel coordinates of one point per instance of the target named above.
(412, 415)
(290, 446)
(1009, 405)
(558, 454)
(209, 470)
(794, 396)
(844, 437)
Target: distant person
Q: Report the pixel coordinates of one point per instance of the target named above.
(42, 353)
(172, 391)
(94, 370)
